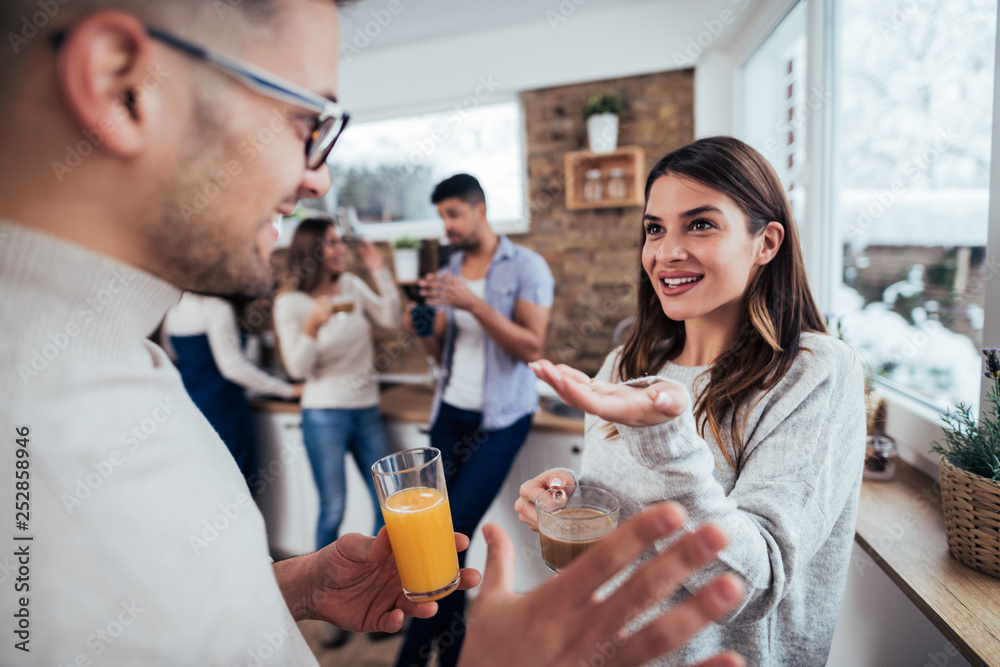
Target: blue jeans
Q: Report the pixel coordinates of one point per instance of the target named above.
(328, 434)
(476, 462)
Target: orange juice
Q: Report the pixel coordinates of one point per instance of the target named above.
(423, 541)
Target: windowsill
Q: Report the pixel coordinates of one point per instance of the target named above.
(914, 426)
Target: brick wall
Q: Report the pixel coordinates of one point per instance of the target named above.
(593, 254)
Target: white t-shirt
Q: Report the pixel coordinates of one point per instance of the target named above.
(146, 548)
(465, 386)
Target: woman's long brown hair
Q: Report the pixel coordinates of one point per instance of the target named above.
(305, 253)
(777, 307)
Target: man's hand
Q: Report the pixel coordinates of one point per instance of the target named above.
(353, 584)
(561, 623)
(615, 403)
(445, 289)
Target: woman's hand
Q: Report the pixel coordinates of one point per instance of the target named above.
(525, 504)
(322, 311)
(370, 255)
(615, 403)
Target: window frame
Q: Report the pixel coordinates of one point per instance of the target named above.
(433, 228)
(914, 422)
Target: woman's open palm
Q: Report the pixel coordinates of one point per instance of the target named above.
(615, 403)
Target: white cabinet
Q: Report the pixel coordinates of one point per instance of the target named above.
(288, 498)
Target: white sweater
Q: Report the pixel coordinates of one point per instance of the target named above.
(146, 548)
(338, 365)
(789, 512)
(197, 314)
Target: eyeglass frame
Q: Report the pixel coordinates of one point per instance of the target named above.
(329, 114)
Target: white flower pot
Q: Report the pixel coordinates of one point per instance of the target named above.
(407, 264)
(602, 132)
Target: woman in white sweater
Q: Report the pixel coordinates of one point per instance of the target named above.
(324, 330)
(771, 445)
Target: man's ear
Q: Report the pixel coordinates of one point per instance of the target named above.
(770, 240)
(102, 64)
(481, 209)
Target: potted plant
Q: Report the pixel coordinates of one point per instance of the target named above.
(406, 258)
(601, 113)
(970, 478)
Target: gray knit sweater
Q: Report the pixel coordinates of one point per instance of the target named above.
(789, 511)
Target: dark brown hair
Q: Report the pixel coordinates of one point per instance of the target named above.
(305, 253)
(777, 307)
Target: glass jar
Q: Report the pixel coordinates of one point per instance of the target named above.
(880, 457)
(593, 189)
(617, 186)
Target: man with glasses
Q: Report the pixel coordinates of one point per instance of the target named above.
(125, 178)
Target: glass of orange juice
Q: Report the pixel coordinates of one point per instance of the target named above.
(414, 501)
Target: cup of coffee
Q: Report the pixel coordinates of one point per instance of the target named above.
(571, 519)
(342, 307)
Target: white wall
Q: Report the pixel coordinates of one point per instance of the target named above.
(592, 43)
(880, 627)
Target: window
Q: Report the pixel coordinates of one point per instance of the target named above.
(387, 169)
(912, 153)
(776, 101)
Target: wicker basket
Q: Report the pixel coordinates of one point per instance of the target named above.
(971, 506)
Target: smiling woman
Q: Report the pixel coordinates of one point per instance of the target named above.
(771, 444)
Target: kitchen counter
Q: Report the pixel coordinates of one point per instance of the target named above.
(412, 403)
(901, 526)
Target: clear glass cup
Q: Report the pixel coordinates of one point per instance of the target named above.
(342, 306)
(414, 502)
(880, 457)
(593, 189)
(571, 519)
(617, 185)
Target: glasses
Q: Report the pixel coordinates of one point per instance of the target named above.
(330, 121)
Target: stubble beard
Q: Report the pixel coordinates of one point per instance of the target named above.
(202, 249)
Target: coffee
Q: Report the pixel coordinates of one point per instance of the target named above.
(569, 532)
(343, 307)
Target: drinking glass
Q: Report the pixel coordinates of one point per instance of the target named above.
(414, 502)
(571, 519)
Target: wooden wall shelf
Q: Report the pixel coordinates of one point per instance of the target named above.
(630, 159)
